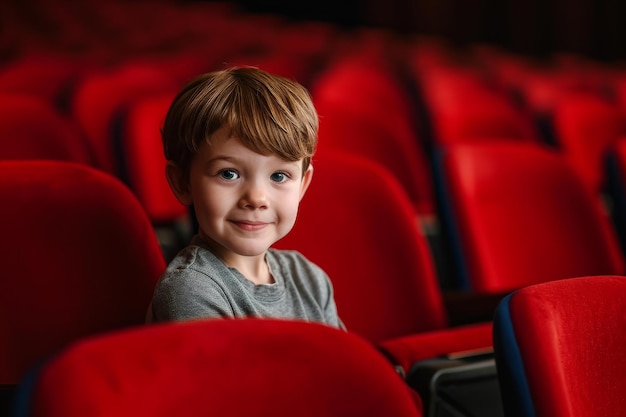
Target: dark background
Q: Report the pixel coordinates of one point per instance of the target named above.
(593, 28)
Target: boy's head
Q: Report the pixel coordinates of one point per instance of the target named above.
(270, 114)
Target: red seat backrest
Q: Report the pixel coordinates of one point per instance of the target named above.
(79, 257)
(144, 158)
(358, 224)
(585, 129)
(31, 128)
(559, 348)
(200, 368)
(521, 215)
(364, 110)
(102, 95)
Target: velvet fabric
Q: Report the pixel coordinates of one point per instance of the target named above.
(101, 97)
(492, 114)
(364, 111)
(358, 224)
(559, 348)
(518, 214)
(32, 128)
(238, 367)
(45, 74)
(586, 126)
(144, 159)
(79, 257)
(408, 350)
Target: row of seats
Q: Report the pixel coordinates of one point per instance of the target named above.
(387, 265)
(422, 167)
(108, 283)
(363, 98)
(220, 368)
(550, 340)
(361, 86)
(362, 89)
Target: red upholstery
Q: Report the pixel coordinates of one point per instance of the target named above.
(619, 89)
(100, 98)
(359, 132)
(249, 367)
(405, 351)
(363, 110)
(542, 88)
(559, 348)
(31, 128)
(366, 82)
(490, 116)
(78, 256)
(357, 223)
(520, 215)
(46, 75)
(145, 161)
(463, 107)
(585, 128)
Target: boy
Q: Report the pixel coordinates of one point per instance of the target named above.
(239, 144)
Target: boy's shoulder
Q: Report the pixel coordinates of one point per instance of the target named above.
(195, 258)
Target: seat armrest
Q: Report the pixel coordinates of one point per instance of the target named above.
(404, 352)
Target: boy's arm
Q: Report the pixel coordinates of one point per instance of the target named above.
(330, 309)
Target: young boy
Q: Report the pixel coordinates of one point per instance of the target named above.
(239, 144)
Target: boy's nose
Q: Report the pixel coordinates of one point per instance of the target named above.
(255, 197)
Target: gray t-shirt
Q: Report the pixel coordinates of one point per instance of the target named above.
(197, 284)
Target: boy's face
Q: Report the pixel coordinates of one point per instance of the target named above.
(244, 201)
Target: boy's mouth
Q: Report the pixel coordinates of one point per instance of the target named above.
(250, 226)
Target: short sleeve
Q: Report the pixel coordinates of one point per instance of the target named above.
(186, 296)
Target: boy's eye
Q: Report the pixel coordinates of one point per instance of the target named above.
(228, 174)
(279, 177)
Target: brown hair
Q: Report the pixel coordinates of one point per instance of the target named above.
(270, 114)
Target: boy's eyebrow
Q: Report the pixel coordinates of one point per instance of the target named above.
(208, 164)
(217, 158)
(234, 160)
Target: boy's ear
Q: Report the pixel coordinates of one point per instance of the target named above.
(178, 183)
(306, 180)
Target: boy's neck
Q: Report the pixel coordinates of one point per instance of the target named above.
(254, 268)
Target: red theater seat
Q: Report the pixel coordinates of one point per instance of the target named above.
(518, 214)
(358, 224)
(464, 107)
(484, 115)
(345, 128)
(102, 96)
(49, 76)
(245, 367)
(32, 128)
(364, 110)
(559, 348)
(585, 128)
(79, 257)
(144, 170)
(145, 161)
